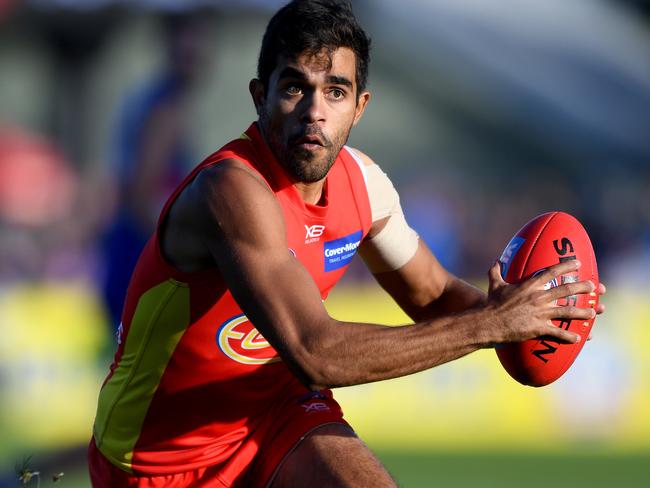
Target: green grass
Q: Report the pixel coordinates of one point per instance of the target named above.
(502, 470)
(420, 470)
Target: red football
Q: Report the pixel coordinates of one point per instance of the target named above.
(546, 240)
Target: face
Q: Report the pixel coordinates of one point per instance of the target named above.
(307, 111)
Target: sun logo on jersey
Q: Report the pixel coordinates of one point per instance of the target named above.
(241, 342)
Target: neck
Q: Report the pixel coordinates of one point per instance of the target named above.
(311, 192)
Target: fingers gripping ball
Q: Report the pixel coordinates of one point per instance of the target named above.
(547, 240)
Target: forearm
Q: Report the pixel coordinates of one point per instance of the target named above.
(352, 353)
(457, 296)
(514, 313)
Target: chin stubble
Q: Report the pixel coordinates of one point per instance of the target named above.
(301, 164)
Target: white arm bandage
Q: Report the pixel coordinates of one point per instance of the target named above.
(396, 243)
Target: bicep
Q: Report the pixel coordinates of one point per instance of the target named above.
(245, 233)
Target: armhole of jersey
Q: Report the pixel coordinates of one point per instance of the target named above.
(360, 163)
(210, 161)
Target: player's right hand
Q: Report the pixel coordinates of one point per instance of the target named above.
(524, 311)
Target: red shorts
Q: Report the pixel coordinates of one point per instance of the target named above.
(253, 464)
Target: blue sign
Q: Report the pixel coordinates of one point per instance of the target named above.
(339, 252)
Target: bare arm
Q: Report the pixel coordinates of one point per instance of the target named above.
(424, 289)
(402, 264)
(241, 223)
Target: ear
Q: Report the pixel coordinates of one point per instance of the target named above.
(362, 103)
(256, 89)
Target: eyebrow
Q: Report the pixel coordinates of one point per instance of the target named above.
(339, 80)
(290, 72)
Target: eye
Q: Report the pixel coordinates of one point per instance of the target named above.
(293, 90)
(337, 93)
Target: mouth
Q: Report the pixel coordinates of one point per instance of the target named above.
(309, 141)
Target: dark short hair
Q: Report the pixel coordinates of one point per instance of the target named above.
(309, 26)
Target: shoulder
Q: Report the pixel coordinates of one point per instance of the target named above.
(360, 156)
(376, 180)
(231, 191)
(229, 194)
(381, 190)
(224, 203)
(228, 176)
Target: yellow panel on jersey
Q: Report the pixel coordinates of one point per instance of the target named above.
(125, 399)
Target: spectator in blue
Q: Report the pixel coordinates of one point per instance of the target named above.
(151, 152)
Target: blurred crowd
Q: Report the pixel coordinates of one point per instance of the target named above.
(62, 219)
(65, 217)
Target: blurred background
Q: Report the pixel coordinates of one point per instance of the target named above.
(484, 113)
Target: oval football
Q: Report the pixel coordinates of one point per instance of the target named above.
(548, 239)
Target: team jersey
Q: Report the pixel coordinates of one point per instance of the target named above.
(192, 378)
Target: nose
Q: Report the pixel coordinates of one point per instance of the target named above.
(313, 109)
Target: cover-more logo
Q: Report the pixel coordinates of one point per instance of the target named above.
(339, 252)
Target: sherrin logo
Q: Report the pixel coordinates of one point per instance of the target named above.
(241, 342)
(551, 284)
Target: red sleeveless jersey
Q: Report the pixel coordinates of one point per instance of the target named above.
(192, 378)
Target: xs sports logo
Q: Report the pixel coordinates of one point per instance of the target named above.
(310, 402)
(313, 233)
(315, 407)
(241, 342)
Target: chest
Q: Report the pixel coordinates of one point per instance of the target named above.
(325, 244)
